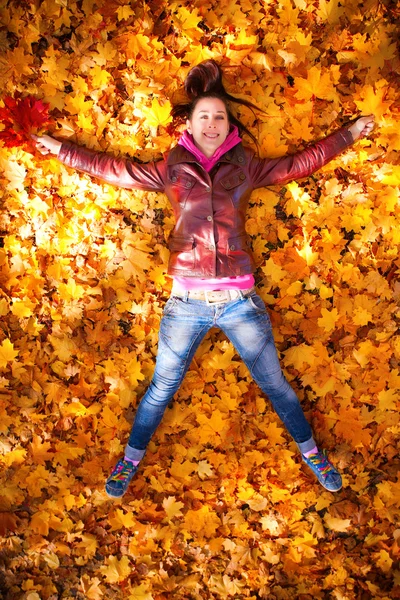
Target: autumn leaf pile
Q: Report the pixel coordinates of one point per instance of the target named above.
(222, 506)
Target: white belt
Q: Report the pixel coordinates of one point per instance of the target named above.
(215, 296)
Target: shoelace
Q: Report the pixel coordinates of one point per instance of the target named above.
(123, 472)
(320, 461)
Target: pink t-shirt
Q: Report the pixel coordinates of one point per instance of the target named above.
(242, 282)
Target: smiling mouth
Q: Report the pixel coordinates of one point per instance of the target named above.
(212, 136)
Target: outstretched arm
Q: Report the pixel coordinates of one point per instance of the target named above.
(264, 172)
(117, 171)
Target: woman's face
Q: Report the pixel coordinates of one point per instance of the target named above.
(209, 125)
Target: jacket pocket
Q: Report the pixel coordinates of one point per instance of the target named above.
(182, 253)
(233, 185)
(238, 244)
(181, 186)
(239, 254)
(233, 181)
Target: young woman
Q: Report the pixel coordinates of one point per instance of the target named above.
(208, 178)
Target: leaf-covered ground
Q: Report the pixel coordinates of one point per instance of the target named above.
(222, 506)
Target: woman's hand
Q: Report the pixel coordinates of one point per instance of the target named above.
(46, 144)
(362, 127)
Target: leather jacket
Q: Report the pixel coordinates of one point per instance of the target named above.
(209, 237)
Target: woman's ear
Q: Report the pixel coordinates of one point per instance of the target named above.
(188, 127)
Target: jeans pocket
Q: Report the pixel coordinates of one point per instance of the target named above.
(257, 303)
(169, 305)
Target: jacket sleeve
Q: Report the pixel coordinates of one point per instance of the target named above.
(121, 172)
(281, 170)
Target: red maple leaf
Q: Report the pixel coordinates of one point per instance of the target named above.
(21, 117)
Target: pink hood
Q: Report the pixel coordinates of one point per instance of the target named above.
(233, 138)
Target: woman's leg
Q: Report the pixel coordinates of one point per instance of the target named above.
(246, 323)
(181, 330)
(248, 326)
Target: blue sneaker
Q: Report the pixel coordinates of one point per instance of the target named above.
(119, 480)
(326, 473)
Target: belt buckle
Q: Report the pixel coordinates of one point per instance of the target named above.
(222, 296)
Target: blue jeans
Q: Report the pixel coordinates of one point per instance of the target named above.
(247, 325)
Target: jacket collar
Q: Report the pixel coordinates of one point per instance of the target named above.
(234, 156)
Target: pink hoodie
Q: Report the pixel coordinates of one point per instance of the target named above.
(231, 140)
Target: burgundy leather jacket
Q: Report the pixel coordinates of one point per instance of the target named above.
(209, 237)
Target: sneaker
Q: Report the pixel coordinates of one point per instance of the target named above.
(326, 473)
(118, 481)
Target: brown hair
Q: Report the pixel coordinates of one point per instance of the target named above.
(205, 81)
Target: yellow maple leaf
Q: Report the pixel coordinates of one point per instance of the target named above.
(120, 519)
(363, 353)
(65, 452)
(361, 316)
(172, 507)
(273, 271)
(325, 292)
(109, 418)
(100, 77)
(186, 19)
(336, 524)
(140, 592)
(222, 360)
(388, 399)
(17, 456)
(274, 433)
(106, 53)
(7, 353)
(22, 308)
(257, 502)
(4, 307)
(37, 480)
(373, 100)
(329, 11)
(182, 470)
(204, 469)
(305, 544)
(352, 426)
(317, 85)
(157, 114)
(197, 53)
(213, 425)
(56, 67)
(124, 12)
(84, 121)
(40, 522)
(76, 104)
(203, 521)
(329, 319)
(18, 61)
(91, 588)
(391, 176)
(271, 146)
(307, 253)
(294, 288)
(40, 450)
(383, 560)
(134, 371)
(15, 173)
(71, 290)
(116, 570)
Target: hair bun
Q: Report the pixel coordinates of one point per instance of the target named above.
(204, 78)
